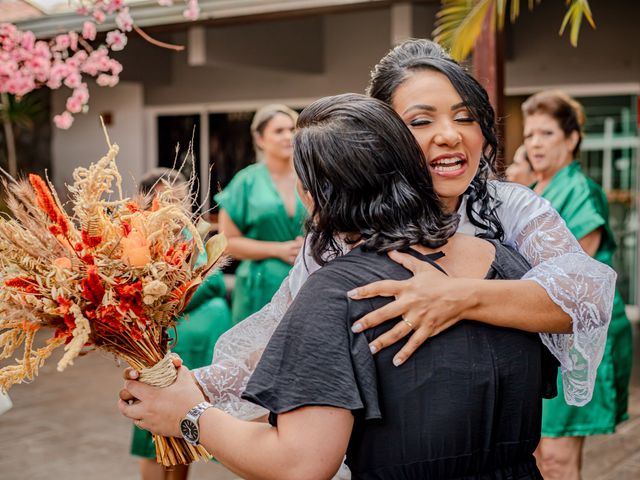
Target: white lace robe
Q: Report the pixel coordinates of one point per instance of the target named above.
(580, 285)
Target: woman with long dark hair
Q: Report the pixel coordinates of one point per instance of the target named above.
(567, 295)
(466, 405)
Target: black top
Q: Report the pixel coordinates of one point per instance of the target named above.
(467, 404)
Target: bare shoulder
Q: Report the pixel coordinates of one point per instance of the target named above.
(468, 256)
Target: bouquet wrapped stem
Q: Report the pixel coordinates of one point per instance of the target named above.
(114, 275)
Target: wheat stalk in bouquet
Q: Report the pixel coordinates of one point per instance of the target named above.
(111, 273)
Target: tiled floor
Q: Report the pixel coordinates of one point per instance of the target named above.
(66, 426)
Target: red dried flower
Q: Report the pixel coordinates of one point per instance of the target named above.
(27, 285)
(92, 287)
(47, 203)
(90, 241)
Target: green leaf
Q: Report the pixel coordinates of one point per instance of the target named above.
(459, 23)
(578, 9)
(515, 10)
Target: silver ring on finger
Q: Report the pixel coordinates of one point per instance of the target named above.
(408, 323)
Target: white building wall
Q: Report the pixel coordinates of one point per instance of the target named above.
(536, 57)
(351, 44)
(84, 142)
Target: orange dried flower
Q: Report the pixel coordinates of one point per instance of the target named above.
(27, 285)
(90, 241)
(92, 287)
(47, 203)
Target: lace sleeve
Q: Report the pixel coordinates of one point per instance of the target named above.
(582, 287)
(238, 350)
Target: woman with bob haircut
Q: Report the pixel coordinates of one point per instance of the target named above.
(467, 404)
(567, 294)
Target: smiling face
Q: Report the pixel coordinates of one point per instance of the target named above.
(548, 149)
(276, 139)
(449, 137)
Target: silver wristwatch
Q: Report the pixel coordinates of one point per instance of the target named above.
(189, 424)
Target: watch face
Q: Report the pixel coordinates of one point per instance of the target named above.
(189, 430)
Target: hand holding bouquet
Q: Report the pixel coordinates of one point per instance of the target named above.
(112, 274)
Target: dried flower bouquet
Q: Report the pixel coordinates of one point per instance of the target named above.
(113, 274)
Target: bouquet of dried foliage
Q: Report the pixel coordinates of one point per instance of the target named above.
(113, 274)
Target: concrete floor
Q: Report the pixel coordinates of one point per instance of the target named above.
(66, 426)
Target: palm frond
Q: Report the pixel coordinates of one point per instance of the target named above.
(459, 23)
(578, 9)
(501, 9)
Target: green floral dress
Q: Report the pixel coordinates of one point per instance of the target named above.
(584, 207)
(254, 204)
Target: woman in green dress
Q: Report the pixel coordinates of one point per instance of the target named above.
(552, 136)
(205, 318)
(261, 213)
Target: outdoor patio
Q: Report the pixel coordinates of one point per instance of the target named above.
(66, 425)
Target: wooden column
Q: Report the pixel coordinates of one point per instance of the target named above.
(488, 68)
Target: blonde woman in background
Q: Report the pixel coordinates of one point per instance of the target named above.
(261, 213)
(552, 136)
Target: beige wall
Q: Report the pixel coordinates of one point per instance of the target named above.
(85, 143)
(349, 43)
(537, 56)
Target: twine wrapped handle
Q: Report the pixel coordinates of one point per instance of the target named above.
(170, 451)
(162, 374)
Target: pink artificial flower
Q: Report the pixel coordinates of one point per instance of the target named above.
(82, 93)
(116, 40)
(42, 50)
(84, 11)
(28, 41)
(77, 60)
(112, 6)
(73, 81)
(89, 31)
(8, 68)
(105, 80)
(115, 67)
(99, 16)
(124, 20)
(74, 105)
(73, 41)
(62, 42)
(192, 11)
(63, 121)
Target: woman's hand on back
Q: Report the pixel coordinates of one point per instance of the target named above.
(429, 302)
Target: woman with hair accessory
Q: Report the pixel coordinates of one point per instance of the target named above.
(261, 214)
(466, 405)
(552, 135)
(567, 295)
